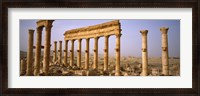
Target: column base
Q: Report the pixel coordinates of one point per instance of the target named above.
(117, 74)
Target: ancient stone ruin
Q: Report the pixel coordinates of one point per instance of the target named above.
(32, 66)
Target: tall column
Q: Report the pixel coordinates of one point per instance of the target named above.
(72, 54)
(66, 53)
(144, 53)
(46, 57)
(38, 51)
(165, 60)
(30, 53)
(95, 66)
(55, 52)
(106, 54)
(87, 54)
(60, 53)
(79, 53)
(117, 65)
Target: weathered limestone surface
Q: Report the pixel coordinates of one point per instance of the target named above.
(29, 70)
(165, 57)
(95, 65)
(66, 53)
(48, 25)
(87, 54)
(79, 53)
(144, 53)
(60, 53)
(117, 66)
(106, 53)
(72, 53)
(104, 29)
(38, 51)
(55, 52)
(97, 31)
(22, 66)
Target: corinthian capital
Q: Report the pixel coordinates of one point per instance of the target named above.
(164, 30)
(144, 32)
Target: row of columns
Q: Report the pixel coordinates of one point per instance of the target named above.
(46, 57)
(165, 60)
(95, 64)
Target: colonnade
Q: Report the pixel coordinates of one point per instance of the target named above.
(46, 57)
(87, 52)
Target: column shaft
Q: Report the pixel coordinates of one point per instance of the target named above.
(165, 57)
(95, 66)
(79, 54)
(87, 54)
(38, 51)
(47, 50)
(66, 53)
(72, 53)
(22, 67)
(30, 54)
(117, 65)
(60, 53)
(55, 52)
(106, 53)
(144, 53)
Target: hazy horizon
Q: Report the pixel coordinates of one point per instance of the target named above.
(130, 40)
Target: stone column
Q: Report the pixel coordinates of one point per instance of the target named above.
(72, 54)
(165, 60)
(60, 53)
(87, 54)
(66, 53)
(79, 53)
(22, 66)
(38, 51)
(117, 65)
(55, 52)
(47, 47)
(95, 66)
(29, 71)
(144, 53)
(106, 53)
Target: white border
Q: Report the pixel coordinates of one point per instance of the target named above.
(183, 81)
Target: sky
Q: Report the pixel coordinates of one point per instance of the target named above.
(131, 39)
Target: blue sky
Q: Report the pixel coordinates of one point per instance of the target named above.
(130, 39)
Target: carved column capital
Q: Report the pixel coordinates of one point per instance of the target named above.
(48, 27)
(72, 40)
(96, 38)
(31, 31)
(144, 32)
(164, 30)
(107, 36)
(79, 40)
(55, 42)
(39, 29)
(118, 35)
